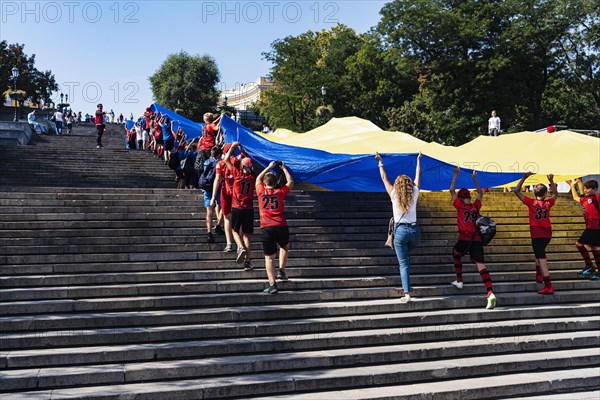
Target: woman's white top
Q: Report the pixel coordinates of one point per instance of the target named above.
(408, 217)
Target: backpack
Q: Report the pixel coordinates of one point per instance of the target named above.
(173, 160)
(487, 227)
(207, 178)
(188, 163)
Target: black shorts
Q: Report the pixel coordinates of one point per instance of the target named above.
(159, 140)
(591, 237)
(273, 236)
(242, 218)
(539, 246)
(100, 129)
(474, 248)
(169, 144)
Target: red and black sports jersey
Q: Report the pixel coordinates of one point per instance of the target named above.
(590, 212)
(539, 217)
(243, 189)
(227, 175)
(209, 133)
(270, 205)
(466, 218)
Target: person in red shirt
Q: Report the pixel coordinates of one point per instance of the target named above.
(540, 226)
(469, 236)
(223, 187)
(210, 131)
(591, 236)
(273, 225)
(242, 207)
(100, 125)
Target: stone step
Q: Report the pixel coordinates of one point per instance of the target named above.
(507, 293)
(127, 327)
(316, 374)
(583, 332)
(297, 257)
(421, 275)
(311, 267)
(426, 285)
(580, 380)
(572, 384)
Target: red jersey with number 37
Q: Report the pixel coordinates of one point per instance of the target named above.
(539, 217)
(270, 205)
(466, 217)
(590, 211)
(243, 189)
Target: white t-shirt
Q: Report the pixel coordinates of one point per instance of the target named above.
(31, 118)
(138, 133)
(494, 123)
(410, 216)
(58, 116)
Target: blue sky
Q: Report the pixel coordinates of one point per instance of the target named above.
(104, 51)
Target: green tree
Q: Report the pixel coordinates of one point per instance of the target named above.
(35, 83)
(188, 83)
(518, 57)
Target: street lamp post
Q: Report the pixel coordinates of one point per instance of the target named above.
(66, 100)
(15, 75)
(62, 98)
(323, 93)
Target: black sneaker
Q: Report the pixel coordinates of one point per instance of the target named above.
(241, 255)
(210, 238)
(272, 289)
(282, 275)
(219, 230)
(248, 266)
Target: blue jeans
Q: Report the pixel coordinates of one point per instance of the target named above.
(406, 237)
(59, 127)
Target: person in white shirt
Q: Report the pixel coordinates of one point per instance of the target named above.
(37, 127)
(494, 125)
(58, 121)
(404, 195)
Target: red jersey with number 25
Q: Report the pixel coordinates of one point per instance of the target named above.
(270, 205)
(243, 189)
(466, 217)
(539, 217)
(590, 212)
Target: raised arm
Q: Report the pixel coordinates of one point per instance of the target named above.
(517, 190)
(384, 178)
(553, 186)
(453, 184)
(418, 171)
(574, 190)
(231, 151)
(288, 176)
(261, 176)
(479, 189)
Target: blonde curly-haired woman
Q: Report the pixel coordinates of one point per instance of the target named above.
(404, 195)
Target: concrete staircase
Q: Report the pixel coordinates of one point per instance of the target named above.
(108, 291)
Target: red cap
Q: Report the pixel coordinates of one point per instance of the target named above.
(463, 194)
(226, 148)
(247, 162)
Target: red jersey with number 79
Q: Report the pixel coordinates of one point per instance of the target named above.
(243, 189)
(466, 218)
(270, 205)
(590, 211)
(539, 217)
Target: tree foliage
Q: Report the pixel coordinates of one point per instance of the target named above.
(188, 83)
(36, 84)
(436, 68)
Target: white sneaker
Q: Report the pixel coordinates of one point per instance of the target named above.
(456, 284)
(491, 302)
(405, 299)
